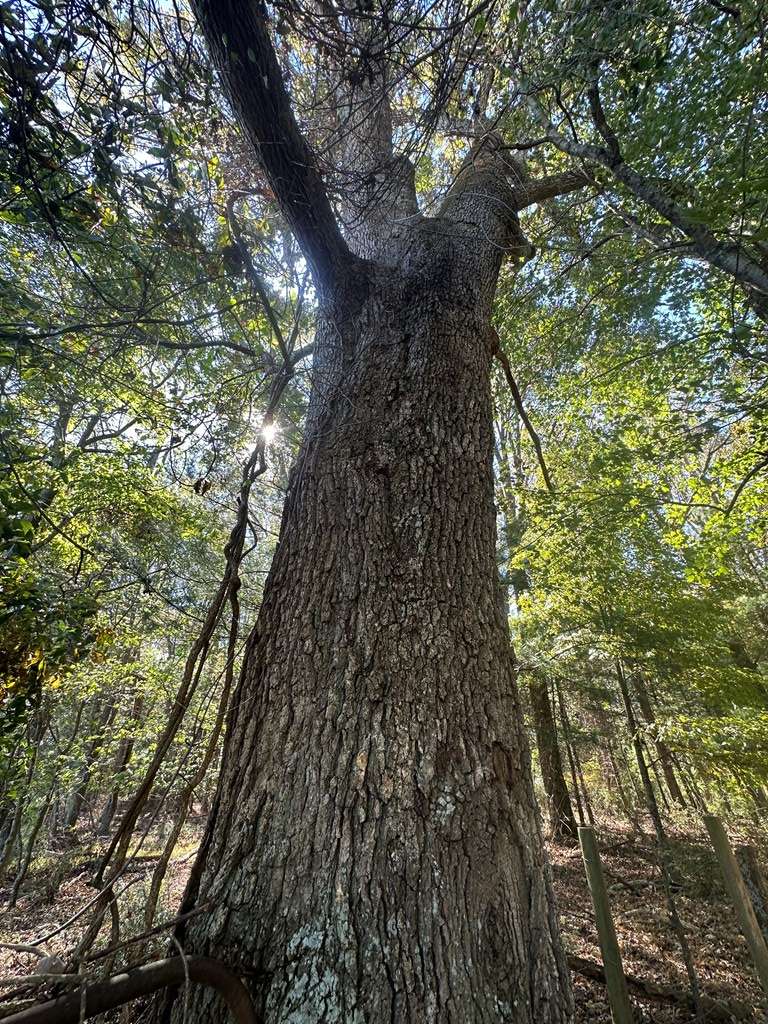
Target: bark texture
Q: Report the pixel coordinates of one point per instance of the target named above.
(375, 852)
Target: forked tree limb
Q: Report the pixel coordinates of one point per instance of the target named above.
(144, 981)
(238, 39)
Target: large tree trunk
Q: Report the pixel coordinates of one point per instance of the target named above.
(375, 852)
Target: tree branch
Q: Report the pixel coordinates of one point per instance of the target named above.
(141, 981)
(254, 276)
(537, 190)
(517, 398)
(376, 187)
(601, 121)
(714, 1010)
(732, 259)
(762, 464)
(239, 43)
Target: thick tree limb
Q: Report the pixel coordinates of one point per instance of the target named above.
(238, 39)
(493, 185)
(484, 195)
(538, 190)
(762, 464)
(730, 258)
(377, 189)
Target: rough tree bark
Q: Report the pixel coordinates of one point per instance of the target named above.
(374, 851)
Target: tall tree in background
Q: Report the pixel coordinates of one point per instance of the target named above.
(375, 849)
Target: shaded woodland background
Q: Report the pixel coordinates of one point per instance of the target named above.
(155, 324)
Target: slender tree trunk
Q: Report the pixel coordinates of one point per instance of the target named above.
(572, 767)
(29, 849)
(561, 820)
(577, 776)
(692, 789)
(559, 811)
(660, 787)
(52, 821)
(13, 835)
(665, 859)
(755, 883)
(585, 791)
(665, 754)
(76, 798)
(188, 792)
(375, 853)
(123, 757)
(625, 802)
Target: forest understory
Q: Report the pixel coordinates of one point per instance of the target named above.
(58, 887)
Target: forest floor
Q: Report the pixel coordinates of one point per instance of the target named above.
(649, 948)
(58, 888)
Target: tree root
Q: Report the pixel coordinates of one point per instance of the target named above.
(143, 981)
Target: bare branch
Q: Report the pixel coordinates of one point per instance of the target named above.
(517, 398)
(123, 988)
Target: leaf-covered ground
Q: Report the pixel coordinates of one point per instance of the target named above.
(648, 945)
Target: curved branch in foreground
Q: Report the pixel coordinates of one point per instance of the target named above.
(517, 398)
(144, 981)
(238, 39)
